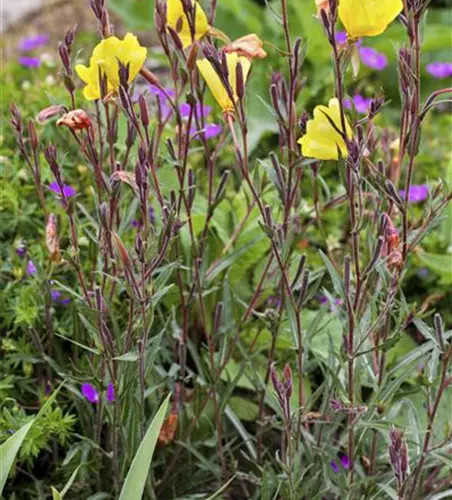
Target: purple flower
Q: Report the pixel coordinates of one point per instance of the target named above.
(210, 131)
(68, 190)
(200, 110)
(90, 393)
(31, 268)
(136, 224)
(56, 297)
(439, 69)
(375, 60)
(341, 37)
(30, 62)
(416, 193)
(334, 466)
(345, 462)
(360, 103)
(33, 42)
(21, 250)
(111, 395)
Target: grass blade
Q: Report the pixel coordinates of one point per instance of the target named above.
(138, 472)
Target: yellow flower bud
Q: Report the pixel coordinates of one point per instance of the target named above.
(177, 20)
(215, 83)
(322, 140)
(105, 56)
(368, 17)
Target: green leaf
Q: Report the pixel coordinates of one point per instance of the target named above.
(9, 449)
(138, 472)
(8, 452)
(244, 409)
(439, 264)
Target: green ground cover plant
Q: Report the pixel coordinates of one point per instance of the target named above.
(226, 258)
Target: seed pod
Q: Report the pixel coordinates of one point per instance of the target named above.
(52, 241)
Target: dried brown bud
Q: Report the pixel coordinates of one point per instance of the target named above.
(75, 120)
(249, 46)
(395, 260)
(48, 113)
(52, 241)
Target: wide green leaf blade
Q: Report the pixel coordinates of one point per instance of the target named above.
(8, 452)
(138, 472)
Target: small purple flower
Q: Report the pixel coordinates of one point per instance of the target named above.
(55, 294)
(336, 405)
(65, 301)
(416, 194)
(439, 69)
(68, 190)
(21, 250)
(341, 37)
(31, 268)
(345, 462)
(200, 110)
(111, 395)
(210, 131)
(90, 393)
(373, 59)
(136, 224)
(274, 302)
(30, 62)
(334, 466)
(33, 42)
(360, 103)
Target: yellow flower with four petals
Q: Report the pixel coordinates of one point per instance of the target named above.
(322, 140)
(106, 56)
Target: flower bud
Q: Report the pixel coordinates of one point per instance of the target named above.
(52, 241)
(77, 119)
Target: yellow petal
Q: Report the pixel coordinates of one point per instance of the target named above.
(216, 85)
(321, 140)
(106, 56)
(368, 17)
(177, 20)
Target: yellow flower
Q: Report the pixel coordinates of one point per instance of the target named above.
(105, 56)
(214, 81)
(177, 20)
(321, 140)
(368, 17)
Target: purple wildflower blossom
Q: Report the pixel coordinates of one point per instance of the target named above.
(334, 466)
(210, 131)
(341, 37)
(111, 395)
(90, 393)
(136, 224)
(372, 58)
(439, 69)
(30, 62)
(360, 103)
(200, 110)
(68, 190)
(33, 42)
(416, 193)
(31, 268)
(56, 297)
(21, 250)
(345, 462)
